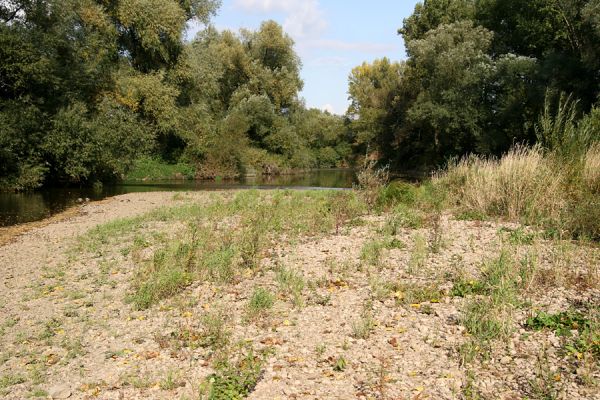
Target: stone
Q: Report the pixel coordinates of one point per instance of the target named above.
(60, 392)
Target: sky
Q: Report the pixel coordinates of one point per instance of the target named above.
(331, 37)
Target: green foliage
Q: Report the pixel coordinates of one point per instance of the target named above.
(475, 79)
(587, 326)
(562, 323)
(290, 283)
(234, 379)
(155, 169)
(462, 288)
(260, 302)
(86, 88)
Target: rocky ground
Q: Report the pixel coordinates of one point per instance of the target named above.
(377, 311)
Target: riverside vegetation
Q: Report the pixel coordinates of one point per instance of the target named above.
(477, 283)
(480, 282)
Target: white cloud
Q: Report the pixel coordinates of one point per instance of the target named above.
(329, 108)
(303, 18)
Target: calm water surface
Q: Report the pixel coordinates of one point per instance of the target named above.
(16, 208)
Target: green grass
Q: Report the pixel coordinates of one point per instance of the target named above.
(365, 324)
(291, 284)
(489, 316)
(372, 250)
(153, 169)
(9, 380)
(587, 326)
(213, 248)
(260, 303)
(419, 253)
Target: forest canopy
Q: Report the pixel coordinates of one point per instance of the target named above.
(89, 86)
(477, 78)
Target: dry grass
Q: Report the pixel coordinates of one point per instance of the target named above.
(522, 183)
(591, 168)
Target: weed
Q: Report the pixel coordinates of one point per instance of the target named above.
(234, 378)
(9, 380)
(362, 328)
(380, 288)
(343, 206)
(471, 215)
(320, 350)
(469, 391)
(587, 326)
(50, 328)
(39, 393)
(372, 250)
(339, 364)
(214, 330)
(170, 382)
(463, 287)
(74, 348)
(416, 294)
(291, 283)
(418, 255)
(405, 217)
(371, 182)
(260, 302)
(436, 240)
(546, 385)
(397, 193)
(518, 236)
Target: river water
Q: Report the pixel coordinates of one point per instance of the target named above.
(17, 208)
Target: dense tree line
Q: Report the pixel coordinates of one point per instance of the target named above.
(88, 86)
(477, 78)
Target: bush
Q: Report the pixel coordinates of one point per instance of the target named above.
(396, 193)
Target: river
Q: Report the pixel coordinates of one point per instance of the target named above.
(17, 208)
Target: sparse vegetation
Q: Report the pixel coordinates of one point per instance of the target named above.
(260, 302)
(235, 377)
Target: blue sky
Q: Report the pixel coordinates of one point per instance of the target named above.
(332, 36)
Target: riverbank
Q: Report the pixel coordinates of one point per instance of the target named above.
(294, 294)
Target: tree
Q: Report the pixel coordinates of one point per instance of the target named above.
(373, 89)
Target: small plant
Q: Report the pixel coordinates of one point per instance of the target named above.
(50, 328)
(235, 378)
(464, 287)
(418, 255)
(370, 253)
(339, 364)
(343, 207)
(9, 380)
(372, 250)
(215, 333)
(320, 349)
(586, 342)
(471, 215)
(416, 294)
(546, 385)
(260, 302)
(362, 328)
(169, 382)
(371, 181)
(518, 236)
(292, 283)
